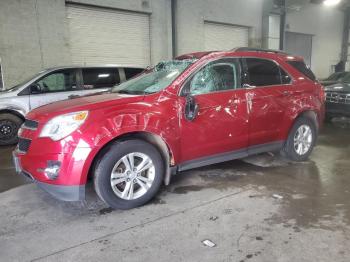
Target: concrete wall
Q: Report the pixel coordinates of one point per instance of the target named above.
(191, 15)
(32, 37)
(326, 25)
(33, 33)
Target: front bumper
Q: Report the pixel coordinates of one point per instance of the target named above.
(61, 192)
(337, 109)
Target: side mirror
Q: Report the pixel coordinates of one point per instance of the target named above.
(191, 108)
(35, 89)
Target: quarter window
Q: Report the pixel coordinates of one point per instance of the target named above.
(216, 76)
(100, 77)
(131, 72)
(262, 72)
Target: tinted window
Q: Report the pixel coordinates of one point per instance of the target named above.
(302, 68)
(285, 78)
(262, 72)
(217, 76)
(131, 72)
(64, 80)
(100, 77)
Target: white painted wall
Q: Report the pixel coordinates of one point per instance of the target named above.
(326, 24)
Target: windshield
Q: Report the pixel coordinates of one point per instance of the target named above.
(346, 78)
(155, 79)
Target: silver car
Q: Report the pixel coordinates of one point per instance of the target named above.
(52, 85)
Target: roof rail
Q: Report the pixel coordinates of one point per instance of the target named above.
(252, 49)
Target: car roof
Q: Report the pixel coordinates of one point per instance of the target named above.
(93, 66)
(243, 51)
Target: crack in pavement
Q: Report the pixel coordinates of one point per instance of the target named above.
(143, 224)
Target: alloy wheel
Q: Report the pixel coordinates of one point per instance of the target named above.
(303, 140)
(132, 176)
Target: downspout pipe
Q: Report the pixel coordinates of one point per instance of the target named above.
(173, 27)
(282, 24)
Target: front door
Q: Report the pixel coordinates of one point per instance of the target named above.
(55, 86)
(221, 124)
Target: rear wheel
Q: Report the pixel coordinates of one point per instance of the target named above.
(128, 174)
(9, 125)
(301, 140)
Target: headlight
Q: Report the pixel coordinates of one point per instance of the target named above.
(63, 125)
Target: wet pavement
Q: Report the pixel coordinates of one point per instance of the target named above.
(8, 178)
(262, 208)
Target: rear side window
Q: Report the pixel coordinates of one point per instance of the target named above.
(100, 77)
(131, 72)
(262, 72)
(302, 68)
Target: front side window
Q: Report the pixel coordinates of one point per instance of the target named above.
(63, 80)
(155, 79)
(216, 76)
(100, 77)
(262, 72)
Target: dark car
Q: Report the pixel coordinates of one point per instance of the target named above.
(338, 100)
(334, 78)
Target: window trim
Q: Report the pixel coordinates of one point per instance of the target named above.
(245, 70)
(184, 86)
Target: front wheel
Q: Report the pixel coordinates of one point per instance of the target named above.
(301, 140)
(9, 125)
(128, 174)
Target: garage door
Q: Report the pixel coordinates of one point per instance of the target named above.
(299, 44)
(104, 36)
(224, 37)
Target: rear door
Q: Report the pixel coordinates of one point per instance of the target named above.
(55, 86)
(221, 124)
(267, 90)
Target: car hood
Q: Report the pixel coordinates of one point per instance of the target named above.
(339, 87)
(7, 93)
(89, 103)
(327, 82)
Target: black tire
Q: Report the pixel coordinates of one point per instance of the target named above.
(289, 150)
(106, 162)
(9, 125)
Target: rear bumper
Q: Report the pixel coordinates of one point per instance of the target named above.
(61, 192)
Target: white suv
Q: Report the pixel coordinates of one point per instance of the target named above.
(52, 85)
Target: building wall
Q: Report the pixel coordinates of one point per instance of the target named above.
(326, 25)
(191, 15)
(32, 37)
(33, 33)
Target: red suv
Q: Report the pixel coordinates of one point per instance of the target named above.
(199, 109)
